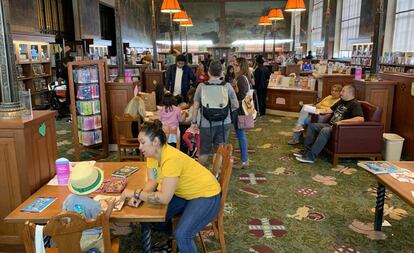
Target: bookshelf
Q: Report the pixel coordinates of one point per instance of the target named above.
(400, 62)
(34, 71)
(88, 108)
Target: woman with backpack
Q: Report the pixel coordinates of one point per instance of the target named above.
(241, 85)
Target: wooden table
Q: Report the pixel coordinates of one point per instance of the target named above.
(144, 213)
(403, 190)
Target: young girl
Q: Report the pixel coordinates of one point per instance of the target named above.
(170, 116)
(192, 135)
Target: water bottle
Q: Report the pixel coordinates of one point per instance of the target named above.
(62, 171)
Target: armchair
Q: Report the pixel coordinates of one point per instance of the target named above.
(364, 139)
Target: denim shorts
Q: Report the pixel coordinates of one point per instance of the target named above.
(213, 136)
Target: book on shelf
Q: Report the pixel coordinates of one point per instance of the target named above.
(381, 167)
(125, 171)
(38, 205)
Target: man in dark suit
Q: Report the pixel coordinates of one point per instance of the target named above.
(178, 78)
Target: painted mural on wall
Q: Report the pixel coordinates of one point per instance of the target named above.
(136, 22)
(241, 21)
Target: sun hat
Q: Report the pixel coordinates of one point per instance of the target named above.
(85, 178)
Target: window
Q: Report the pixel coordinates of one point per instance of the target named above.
(404, 26)
(351, 11)
(316, 31)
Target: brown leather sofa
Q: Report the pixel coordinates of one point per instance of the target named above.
(355, 140)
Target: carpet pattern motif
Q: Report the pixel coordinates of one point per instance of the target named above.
(280, 205)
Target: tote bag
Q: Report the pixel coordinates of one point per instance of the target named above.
(247, 120)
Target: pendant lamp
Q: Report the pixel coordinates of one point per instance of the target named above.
(170, 6)
(187, 23)
(180, 16)
(295, 5)
(275, 14)
(264, 20)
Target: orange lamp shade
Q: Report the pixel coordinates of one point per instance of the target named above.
(170, 6)
(295, 5)
(275, 14)
(264, 20)
(180, 16)
(187, 23)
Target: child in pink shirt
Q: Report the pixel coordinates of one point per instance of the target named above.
(170, 116)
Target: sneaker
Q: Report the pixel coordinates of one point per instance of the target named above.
(241, 165)
(298, 128)
(298, 154)
(193, 152)
(304, 160)
(293, 142)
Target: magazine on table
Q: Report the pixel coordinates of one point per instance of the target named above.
(112, 185)
(381, 167)
(38, 205)
(125, 171)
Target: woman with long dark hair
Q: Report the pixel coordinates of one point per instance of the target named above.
(241, 85)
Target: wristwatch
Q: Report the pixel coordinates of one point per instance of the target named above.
(193, 122)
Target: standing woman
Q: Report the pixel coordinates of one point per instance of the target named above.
(229, 74)
(201, 75)
(179, 181)
(241, 85)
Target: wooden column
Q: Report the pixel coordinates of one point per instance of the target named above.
(327, 16)
(154, 34)
(118, 34)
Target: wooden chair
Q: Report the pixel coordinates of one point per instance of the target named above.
(222, 166)
(126, 142)
(66, 231)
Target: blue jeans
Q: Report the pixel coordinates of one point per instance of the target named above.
(241, 137)
(304, 118)
(317, 135)
(195, 215)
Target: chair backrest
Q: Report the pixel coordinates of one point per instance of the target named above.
(66, 231)
(123, 126)
(371, 112)
(225, 155)
(149, 100)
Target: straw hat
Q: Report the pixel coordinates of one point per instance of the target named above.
(85, 178)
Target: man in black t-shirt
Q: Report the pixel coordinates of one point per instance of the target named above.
(348, 109)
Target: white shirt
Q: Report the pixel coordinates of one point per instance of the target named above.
(177, 83)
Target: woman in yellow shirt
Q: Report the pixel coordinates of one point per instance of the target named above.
(176, 179)
(304, 117)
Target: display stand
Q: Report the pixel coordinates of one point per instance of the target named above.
(88, 108)
(34, 71)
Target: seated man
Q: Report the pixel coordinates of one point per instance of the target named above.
(348, 109)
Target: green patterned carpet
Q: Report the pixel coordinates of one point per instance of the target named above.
(280, 205)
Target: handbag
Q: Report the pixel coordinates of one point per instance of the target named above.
(248, 103)
(245, 121)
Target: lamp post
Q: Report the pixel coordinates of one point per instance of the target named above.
(180, 17)
(264, 21)
(294, 6)
(275, 15)
(186, 24)
(170, 6)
